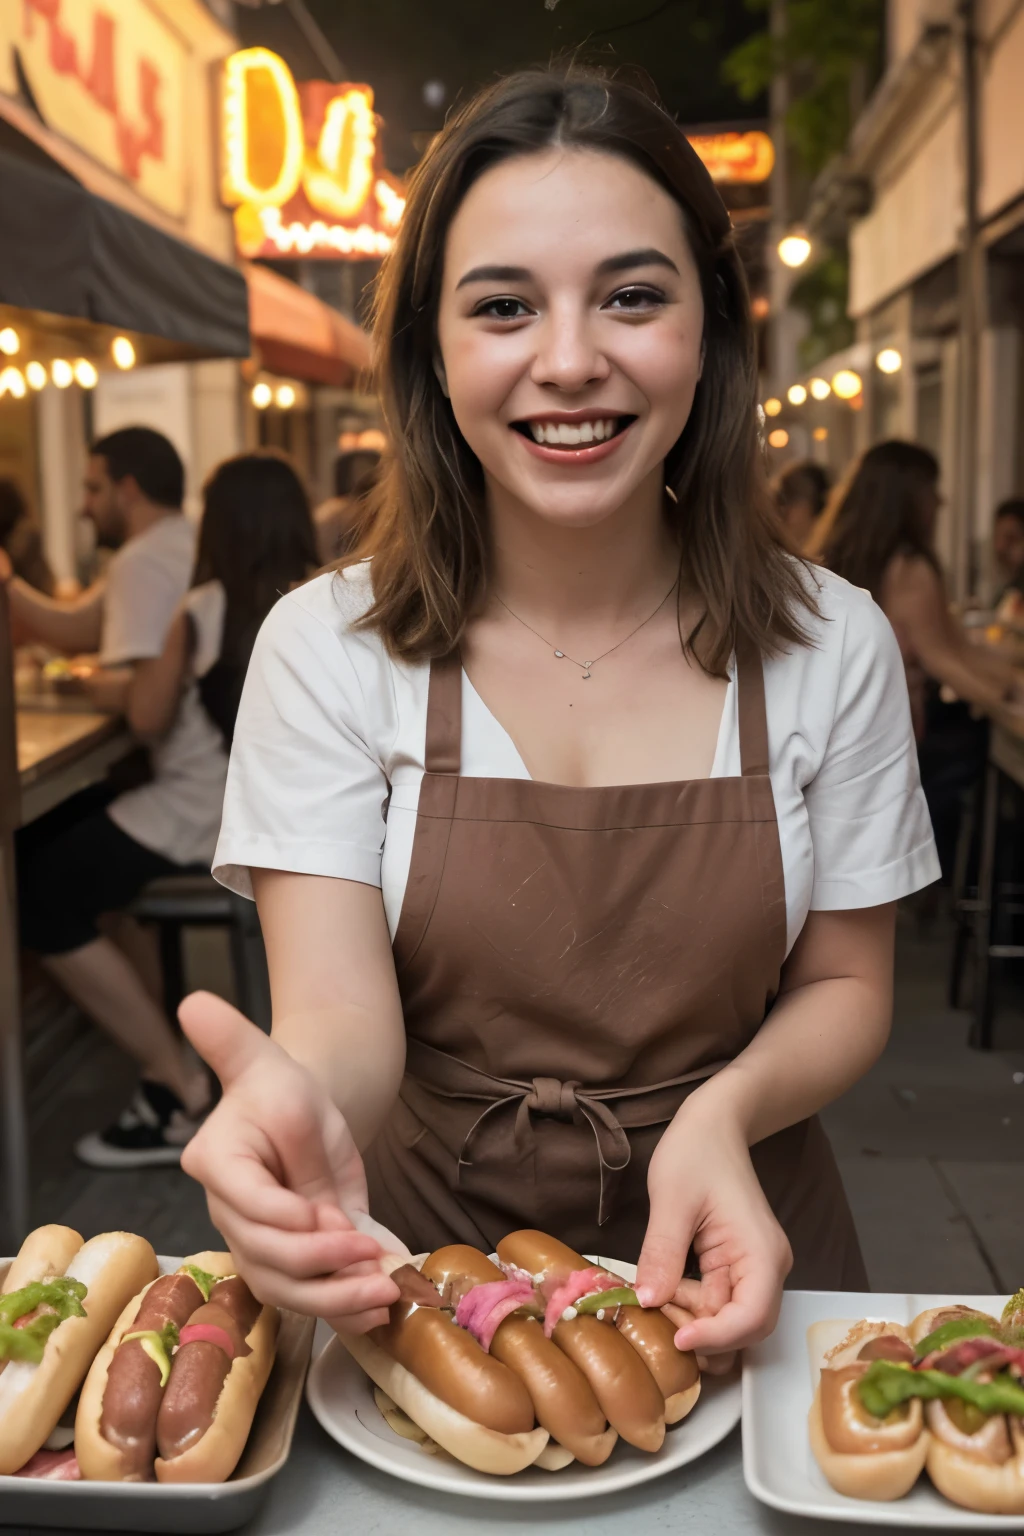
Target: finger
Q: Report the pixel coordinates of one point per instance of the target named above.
(240, 1181)
(746, 1319)
(670, 1229)
(224, 1038)
(717, 1365)
(334, 1297)
(299, 1256)
(360, 1322)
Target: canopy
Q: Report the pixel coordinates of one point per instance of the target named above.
(67, 252)
(296, 333)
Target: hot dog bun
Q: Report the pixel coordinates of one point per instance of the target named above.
(969, 1468)
(927, 1322)
(113, 1267)
(486, 1450)
(879, 1475)
(45, 1253)
(562, 1399)
(624, 1387)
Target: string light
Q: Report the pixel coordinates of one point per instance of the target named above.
(794, 250)
(285, 396)
(772, 407)
(779, 438)
(61, 372)
(820, 434)
(346, 151)
(122, 351)
(238, 185)
(889, 360)
(85, 373)
(796, 394)
(846, 384)
(12, 382)
(36, 374)
(262, 394)
(10, 341)
(820, 389)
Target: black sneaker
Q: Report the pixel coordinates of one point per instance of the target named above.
(150, 1133)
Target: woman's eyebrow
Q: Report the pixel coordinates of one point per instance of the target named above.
(649, 256)
(495, 275)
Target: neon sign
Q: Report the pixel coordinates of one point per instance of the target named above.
(302, 164)
(736, 157)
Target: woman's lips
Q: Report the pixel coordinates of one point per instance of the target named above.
(589, 453)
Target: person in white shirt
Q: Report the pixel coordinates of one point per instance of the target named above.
(172, 660)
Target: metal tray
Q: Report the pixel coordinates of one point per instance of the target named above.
(179, 1507)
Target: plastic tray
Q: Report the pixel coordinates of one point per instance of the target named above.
(182, 1507)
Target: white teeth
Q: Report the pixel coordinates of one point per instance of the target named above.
(563, 435)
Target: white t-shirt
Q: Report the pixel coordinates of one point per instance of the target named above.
(329, 723)
(178, 813)
(146, 580)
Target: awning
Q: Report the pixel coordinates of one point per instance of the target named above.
(296, 333)
(67, 252)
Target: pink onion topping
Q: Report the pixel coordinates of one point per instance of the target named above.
(207, 1333)
(582, 1282)
(52, 1466)
(485, 1307)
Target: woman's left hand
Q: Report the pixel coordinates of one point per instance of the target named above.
(703, 1189)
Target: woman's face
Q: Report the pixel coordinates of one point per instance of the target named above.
(569, 330)
(1008, 544)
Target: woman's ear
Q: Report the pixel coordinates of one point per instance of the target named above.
(442, 377)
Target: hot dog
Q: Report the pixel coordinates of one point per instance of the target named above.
(947, 1394)
(59, 1301)
(180, 1374)
(610, 1359)
(865, 1456)
(562, 1398)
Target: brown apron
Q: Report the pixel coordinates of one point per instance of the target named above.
(572, 963)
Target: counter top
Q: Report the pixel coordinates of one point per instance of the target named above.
(46, 738)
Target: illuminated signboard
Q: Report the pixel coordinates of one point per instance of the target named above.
(109, 75)
(302, 164)
(736, 157)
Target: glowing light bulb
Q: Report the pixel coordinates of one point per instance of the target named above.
(285, 396)
(122, 351)
(12, 382)
(796, 394)
(820, 434)
(846, 384)
(61, 372)
(36, 374)
(10, 341)
(85, 373)
(820, 389)
(262, 394)
(779, 438)
(889, 360)
(772, 407)
(794, 250)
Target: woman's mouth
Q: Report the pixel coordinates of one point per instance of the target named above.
(581, 440)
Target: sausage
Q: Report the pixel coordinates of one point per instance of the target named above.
(200, 1367)
(450, 1363)
(652, 1335)
(131, 1401)
(562, 1398)
(618, 1376)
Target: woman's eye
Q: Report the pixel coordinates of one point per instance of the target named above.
(636, 299)
(502, 309)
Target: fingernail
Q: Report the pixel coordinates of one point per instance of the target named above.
(645, 1295)
(684, 1338)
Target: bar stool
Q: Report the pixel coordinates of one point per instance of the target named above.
(193, 899)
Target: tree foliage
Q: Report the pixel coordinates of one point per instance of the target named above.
(827, 46)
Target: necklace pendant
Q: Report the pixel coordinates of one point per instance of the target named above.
(586, 676)
(560, 654)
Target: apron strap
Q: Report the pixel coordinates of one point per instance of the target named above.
(444, 715)
(753, 716)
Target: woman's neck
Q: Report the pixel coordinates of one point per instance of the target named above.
(543, 570)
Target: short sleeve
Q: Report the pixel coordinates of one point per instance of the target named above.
(870, 828)
(141, 598)
(305, 791)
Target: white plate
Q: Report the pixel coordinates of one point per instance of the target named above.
(778, 1385)
(341, 1397)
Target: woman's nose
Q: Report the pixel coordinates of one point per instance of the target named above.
(568, 355)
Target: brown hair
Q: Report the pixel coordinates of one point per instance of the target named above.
(426, 526)
(879, 513)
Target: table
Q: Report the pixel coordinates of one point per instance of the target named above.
(323, 1491)
(45, 757)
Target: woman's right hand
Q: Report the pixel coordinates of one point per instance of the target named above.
(281, 1170)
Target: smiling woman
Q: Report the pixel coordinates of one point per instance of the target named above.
(581, 958)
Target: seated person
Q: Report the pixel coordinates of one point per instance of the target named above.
(1008, 553)
(801, 491)
(21, 539)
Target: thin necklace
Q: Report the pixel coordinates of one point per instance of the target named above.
(587, 666)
